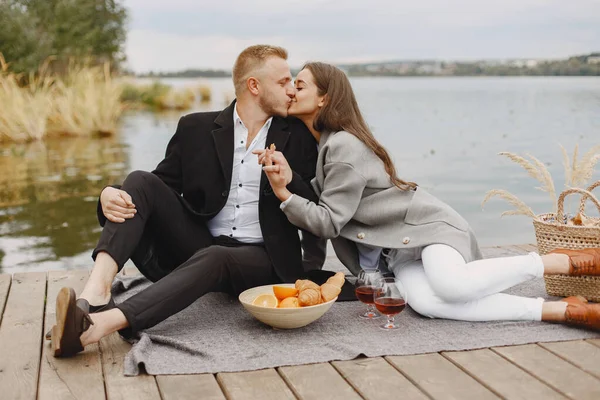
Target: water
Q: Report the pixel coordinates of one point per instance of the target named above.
(443, 133)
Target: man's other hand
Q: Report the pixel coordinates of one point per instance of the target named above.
(117, 205)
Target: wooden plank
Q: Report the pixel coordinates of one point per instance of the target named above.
(182, 387)
(582, 354)
(265, 384)
(501, 251)
(119, 386)
(4, 288)
(553, 370)
(78, 377)
(501, 376)
(439, 378)
(528, 247)
(375, 378)
(317, 381)
(21, 336)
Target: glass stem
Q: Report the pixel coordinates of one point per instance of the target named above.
(390, 320)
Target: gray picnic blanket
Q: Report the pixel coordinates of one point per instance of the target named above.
(216, 334)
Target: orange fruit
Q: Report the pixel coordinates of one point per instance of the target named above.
(281, 292)
(266, 300)
(289, 302)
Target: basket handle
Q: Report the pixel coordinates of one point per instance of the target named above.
(561, 200)
(584, 198)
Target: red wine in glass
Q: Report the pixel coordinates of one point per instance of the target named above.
(389, 305)
(390, 299)
(365, 294)
(365, 285)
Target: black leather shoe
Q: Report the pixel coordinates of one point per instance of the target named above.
(71, 322)
(85, 306)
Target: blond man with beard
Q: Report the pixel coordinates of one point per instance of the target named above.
(206, 218)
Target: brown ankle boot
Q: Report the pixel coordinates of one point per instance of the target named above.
(575, 300)
(583, 262)
(582, 314)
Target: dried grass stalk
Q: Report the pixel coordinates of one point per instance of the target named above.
(520, 207)
(585, 168)
(537, 170)
(547, 182)
(567, 166)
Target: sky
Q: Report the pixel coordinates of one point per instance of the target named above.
(173, 35)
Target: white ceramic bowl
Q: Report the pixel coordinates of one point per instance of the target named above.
(282, 318)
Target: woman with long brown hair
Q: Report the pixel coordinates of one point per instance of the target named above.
(364, 207)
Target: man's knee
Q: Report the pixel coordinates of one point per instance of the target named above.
(139, 180)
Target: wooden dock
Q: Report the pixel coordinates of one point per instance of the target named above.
(28, 370)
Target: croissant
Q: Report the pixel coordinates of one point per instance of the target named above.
(337, 280)
(329, 291)
(303, 284)
(309, 297)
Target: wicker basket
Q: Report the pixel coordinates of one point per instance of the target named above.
(552, 233)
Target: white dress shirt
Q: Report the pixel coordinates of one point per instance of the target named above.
(239, 217)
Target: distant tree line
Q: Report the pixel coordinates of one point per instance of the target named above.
(189, 73)
(33, 31)
(573, 66)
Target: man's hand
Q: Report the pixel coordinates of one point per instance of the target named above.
(117, 205)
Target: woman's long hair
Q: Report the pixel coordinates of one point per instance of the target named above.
(341, 113)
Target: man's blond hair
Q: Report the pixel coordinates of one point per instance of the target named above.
(251, 59)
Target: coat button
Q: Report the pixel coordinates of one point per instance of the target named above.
(360, 235)
(406, 240)
(225, 193)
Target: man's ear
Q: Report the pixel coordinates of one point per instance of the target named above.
(252, 84)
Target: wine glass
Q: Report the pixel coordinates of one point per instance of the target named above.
(365, 288)
(390, 299)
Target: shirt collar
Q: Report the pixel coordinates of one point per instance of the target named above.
(237, 120)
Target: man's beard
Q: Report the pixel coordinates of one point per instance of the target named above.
(270, 106)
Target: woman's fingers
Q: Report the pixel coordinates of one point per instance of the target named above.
(271, 168)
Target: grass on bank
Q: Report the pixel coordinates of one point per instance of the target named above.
(85, 101)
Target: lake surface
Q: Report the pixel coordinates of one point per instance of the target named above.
(443, 133)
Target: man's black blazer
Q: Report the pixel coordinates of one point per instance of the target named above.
(198, 166)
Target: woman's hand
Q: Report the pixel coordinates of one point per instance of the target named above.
(117, 205)
(278, 171)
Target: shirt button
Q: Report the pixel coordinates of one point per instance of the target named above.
(360, 235)
(406, 240)
(230, 235)
(242, 161)
(237, 206)
(234, 228)
(240, 185)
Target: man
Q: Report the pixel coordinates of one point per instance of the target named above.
(206, 218)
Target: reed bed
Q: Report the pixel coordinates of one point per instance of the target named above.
(157, 96)
(25, 111)
(85, 101)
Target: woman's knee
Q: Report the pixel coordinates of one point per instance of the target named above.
(452, 286)
(423, 303)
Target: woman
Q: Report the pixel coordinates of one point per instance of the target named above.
(364, 207)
